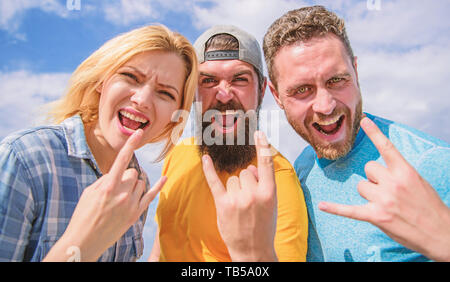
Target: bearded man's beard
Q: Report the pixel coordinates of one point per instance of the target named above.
(230, 151)
(331, 151)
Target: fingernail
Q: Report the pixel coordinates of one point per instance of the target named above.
(365, 121)
(137, 133)
(261, 138)
(322, 206)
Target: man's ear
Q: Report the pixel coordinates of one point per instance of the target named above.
(263, 88)
(275, 94)
(355, 66)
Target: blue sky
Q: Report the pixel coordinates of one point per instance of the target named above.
(403, 50)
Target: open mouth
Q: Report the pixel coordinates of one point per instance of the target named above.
(226, 121)
(131, 121)
(329, 127)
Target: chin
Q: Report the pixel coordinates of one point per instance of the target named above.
(334, 151)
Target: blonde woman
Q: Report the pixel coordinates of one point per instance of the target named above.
(74, 190)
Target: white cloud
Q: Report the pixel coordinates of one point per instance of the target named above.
(127, 12)
(255, 16)
(403, 54)
(399, 24)
(410, 87)
(23, 94)
(12, 12)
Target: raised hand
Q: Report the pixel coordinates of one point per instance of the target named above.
(247, 207)
(400, 202)
(107, 208)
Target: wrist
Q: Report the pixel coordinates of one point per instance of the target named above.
(441, 246)
(68, 249)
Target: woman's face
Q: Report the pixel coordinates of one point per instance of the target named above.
(142, 93)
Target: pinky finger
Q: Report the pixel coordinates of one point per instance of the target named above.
(354, 212)
(148, 197)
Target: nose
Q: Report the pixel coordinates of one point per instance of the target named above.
(143, 97)
(224, 94)
(324, 102)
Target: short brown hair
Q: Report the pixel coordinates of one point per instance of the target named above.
(301, 25)
(224, 41)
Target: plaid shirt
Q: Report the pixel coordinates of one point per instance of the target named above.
(43, 172)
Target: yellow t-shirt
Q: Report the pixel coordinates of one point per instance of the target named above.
(186, 212)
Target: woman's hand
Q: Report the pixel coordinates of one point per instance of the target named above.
(106, 209)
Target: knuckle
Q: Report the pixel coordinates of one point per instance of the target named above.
(131, 174)
(232, 181)
(226, 206)
(383, 217)
(360, 186)
(409, 173)
(246, 204)
(386, 146)
(266, 160)
(268, 197)
(370, 165)
(397, 191)
(243, 173)
(123, 198)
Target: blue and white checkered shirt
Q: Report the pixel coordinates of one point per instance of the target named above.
(43, 172)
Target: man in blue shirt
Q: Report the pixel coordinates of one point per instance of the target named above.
(387, 183)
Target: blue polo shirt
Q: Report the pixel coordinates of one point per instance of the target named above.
(336, 238)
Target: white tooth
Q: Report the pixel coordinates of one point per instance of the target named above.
(330, 121)
(129, 128)
(133, 117)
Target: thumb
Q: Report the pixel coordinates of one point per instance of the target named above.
(214, 183)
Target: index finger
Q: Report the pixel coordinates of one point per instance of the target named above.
(265, 162)
(354, 212)
(214, 183)
(387, 150)
(125, 154)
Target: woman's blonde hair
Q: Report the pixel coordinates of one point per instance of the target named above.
(82, 96)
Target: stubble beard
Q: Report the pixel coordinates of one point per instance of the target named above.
(331, 151)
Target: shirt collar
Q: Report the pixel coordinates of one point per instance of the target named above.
(77, 145)
(75, 137)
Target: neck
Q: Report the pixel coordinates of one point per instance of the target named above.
(103, 153)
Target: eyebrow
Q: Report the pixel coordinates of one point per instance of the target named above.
(169, 86)
(242, 73)
(344, 74)
(296, 86)
(161, 84)
(234, 75)
(207, 74)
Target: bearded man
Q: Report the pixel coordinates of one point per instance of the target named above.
(388, 183)
(196, 221)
